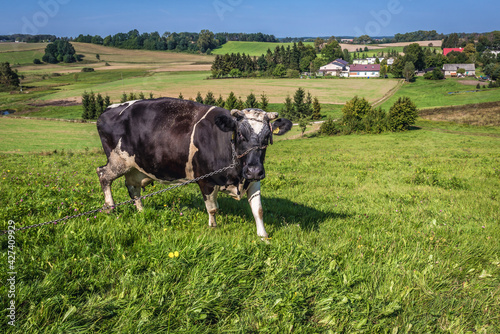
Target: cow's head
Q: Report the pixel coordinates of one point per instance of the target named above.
(252, 130)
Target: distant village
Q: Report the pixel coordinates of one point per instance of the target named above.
(370, 67)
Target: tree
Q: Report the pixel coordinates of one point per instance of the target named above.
(206, 41)
(331, 51)
(402, 114)
(279, 71)
(316, 109)
(415, 54)
(251, 101)
(264, 101)
(354, 111)
(231, 102)
(301, 109)
(8, 77)
(409, 71)
(220, 102)
(85, 105)
(199, 98)
(303, 123)
(59, 51)
(287, 110)
(209, 99)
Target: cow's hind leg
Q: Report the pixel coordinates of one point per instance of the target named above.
(107, 174)
(135, 180)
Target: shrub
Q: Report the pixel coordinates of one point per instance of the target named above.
(87, 69)
(402, 114)
(330, 127)
(354, 111)
(292, 73)
(37, 61)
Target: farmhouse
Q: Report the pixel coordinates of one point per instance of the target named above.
(451, 69)
(448, 50)
(364, 71)
(338, 67)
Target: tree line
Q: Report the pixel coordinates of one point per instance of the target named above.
(289, 61)
(204, 41)
(27, 38)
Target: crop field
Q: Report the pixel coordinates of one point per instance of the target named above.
(369, 233)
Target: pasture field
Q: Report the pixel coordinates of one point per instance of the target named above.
(448, 92)
(392, 233)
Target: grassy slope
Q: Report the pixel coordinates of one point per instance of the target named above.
(386, 239)
(429, 93)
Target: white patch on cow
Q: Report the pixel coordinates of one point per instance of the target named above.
(193, 149)
(255, 118)
(121, 104)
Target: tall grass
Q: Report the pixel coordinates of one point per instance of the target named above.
(377, 233)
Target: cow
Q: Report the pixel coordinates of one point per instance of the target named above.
(171, 140)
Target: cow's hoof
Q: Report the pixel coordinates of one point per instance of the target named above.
(267, 240)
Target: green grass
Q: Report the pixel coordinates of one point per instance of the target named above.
(30, 135)
(370, 233)
(251, 48)
(431, 93)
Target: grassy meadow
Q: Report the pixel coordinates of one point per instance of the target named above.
(369, 233)
(390, 233)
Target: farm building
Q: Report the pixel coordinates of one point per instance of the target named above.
(451, 69)
(338, 67)
(364, 71)
(360, 61)
(448, 50)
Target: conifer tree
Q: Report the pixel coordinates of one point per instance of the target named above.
(251, 101)
(231, 102)
(209, 99)
(264, 101)
(220, 102)
(199, 98)
(316, 108)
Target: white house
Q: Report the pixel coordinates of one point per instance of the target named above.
(452, 69)
(338, 67)
(364, 71)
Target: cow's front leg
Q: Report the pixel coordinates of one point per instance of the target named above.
(253, 194)
(210, 197)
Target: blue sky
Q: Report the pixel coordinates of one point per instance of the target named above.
(281, 18)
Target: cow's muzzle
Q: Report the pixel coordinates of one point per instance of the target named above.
(254, 173)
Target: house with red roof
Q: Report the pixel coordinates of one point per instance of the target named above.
(448, 50)
(364, 71)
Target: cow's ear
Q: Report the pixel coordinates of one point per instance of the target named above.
(281, 126)
(226, 123)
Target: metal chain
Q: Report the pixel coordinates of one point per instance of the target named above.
(234, 163)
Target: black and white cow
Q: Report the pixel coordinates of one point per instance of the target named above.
(171, 140)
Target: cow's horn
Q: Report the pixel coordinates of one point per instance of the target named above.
(272, 115)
